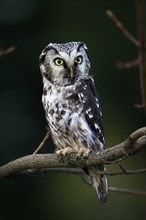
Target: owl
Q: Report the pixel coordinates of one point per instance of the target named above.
(72, 106)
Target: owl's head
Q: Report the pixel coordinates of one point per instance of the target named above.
(64, 64)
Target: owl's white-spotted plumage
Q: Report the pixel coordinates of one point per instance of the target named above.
(72, 105)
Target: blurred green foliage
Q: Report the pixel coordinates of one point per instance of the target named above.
(30, 26)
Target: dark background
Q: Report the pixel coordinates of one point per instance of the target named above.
(30, 26)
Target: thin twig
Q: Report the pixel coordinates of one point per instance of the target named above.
(141, 61)
(7, 51)
(128, 64)
(139, 106)
(127, 191)
(120, 190)
(120, 26)
(42, 143)
(39, 172)
(140, 7)
(31, 173)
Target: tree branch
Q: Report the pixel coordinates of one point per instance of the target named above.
(141, 44)
(39, 172)
(128, 64)
(127, 191)
(114, 154)
(7, 51)
(121, 27)
(42, 143)
(140, 6)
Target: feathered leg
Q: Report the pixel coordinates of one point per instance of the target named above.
(99, 182)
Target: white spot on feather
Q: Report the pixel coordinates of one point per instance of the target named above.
(90, 115)
(88, 110)
(96, 126)
(85, 87)
(96, 99)
(42, 67)
(103, 139)
(97, 102)
(100, 113)
(82, 95)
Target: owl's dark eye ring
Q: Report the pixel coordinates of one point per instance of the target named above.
(79, 60)
(59, 61)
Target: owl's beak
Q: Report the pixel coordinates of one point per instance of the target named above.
(71, 72)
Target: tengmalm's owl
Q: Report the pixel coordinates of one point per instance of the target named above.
(72, 105)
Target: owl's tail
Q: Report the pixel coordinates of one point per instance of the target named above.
(99, 182)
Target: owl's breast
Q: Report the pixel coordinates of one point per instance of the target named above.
(66, 118)
(60, 106)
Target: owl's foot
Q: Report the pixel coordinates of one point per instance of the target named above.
(63, 152)
(83, 152)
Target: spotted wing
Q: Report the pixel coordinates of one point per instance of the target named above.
(90, 101)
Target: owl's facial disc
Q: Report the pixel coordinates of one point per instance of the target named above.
(64, 64)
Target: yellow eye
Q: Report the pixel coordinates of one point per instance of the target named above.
(79, 59)
(59, 61)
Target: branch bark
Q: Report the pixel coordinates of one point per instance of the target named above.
(114, 154)
(127, 191)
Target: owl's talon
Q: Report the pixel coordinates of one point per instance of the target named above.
(83, 153)
(63, 152)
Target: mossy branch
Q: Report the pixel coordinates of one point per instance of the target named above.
(114, 154)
